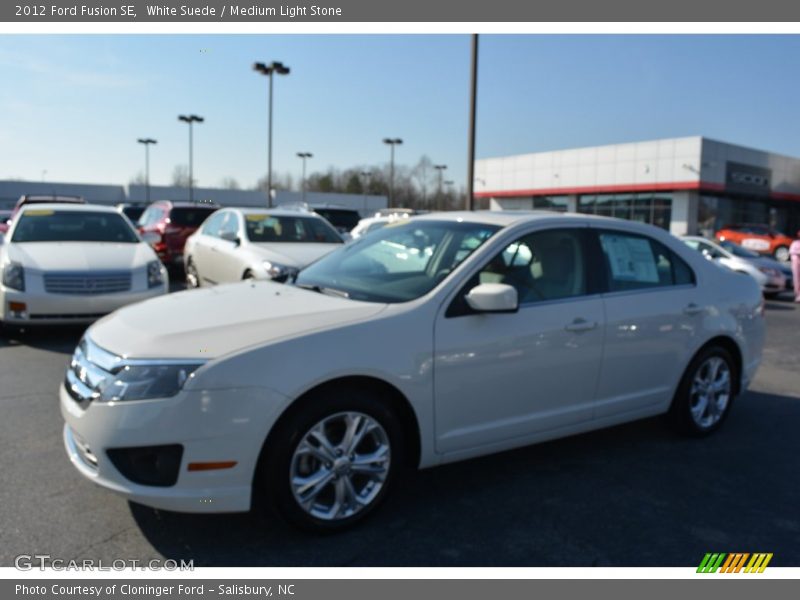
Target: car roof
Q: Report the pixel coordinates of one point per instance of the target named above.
(69, 207)
(278, 212)
(49, 198)
(505, 218)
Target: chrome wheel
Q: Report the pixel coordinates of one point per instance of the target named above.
(710, 392)
(340, 466)
(192, 278)
(782, 254)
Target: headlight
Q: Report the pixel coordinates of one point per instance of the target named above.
(768, 271)
(279, 272)
(155, 276)
(14, 276)
(151, 380)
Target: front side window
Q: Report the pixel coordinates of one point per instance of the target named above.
(231, 225)
(398, 263)
(637, 262)
(545, 265)
(45, 225)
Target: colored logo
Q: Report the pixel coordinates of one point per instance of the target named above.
(744, 562)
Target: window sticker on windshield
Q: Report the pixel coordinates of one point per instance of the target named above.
(257, 217)
(397, 223)
(631, 258)
(40, 212)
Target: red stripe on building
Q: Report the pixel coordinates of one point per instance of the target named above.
(609, 189)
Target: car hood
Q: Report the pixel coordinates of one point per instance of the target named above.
(293, 254)
(769, 263)
(79, 256)
(211, 322)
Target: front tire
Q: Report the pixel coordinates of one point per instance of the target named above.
(192, 276)
(781, 253)
(706, 393)
(333, 460)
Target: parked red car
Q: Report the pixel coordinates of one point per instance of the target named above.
(166, 225)
(5, 222)
(759, 238)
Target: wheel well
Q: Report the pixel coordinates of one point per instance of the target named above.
(733, 348)
(384, 391)
(246, 273)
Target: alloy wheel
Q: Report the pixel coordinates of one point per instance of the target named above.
(340, 466)
(710, 392)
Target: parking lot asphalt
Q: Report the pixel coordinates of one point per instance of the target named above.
(634, 495)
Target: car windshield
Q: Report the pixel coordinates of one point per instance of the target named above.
(45, 225)
(264, 227)
(189, 216)
(401, 262)
(737, 250)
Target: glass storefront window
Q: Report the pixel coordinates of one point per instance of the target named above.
(554, 203)
(645, 208)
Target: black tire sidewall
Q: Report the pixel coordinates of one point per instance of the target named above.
(680, 411)
(272, 480)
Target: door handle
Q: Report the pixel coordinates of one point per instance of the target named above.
(693, 309)
(579, 325)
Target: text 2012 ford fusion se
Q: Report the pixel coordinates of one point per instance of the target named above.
(435, 339)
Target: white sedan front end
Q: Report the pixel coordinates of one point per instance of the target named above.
(46, 278)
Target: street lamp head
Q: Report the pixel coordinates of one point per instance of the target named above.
(305, 154)
(196, 119)
(273, 67)
(183, 118)
(147, 141)
(440, 167)
(392, 141)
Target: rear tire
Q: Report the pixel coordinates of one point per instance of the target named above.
(331, 460)
(781, 253)
(704, 397)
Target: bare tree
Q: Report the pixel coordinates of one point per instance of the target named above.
(229, 183)
(138, 179)
(180, 176)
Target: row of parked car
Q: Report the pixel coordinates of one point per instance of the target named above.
(429, 340)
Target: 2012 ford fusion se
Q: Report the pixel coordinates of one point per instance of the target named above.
(435, 339)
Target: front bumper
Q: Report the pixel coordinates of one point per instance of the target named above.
(212, 426)
(45, 308)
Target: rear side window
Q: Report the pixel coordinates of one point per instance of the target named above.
(635, 262)
(189, 217)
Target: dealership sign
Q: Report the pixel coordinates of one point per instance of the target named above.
(747, 178)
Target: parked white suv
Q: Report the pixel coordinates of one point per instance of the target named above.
(436, 339)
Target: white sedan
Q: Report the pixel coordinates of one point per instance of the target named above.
(435, 339)
(63, 263)
(255, 243)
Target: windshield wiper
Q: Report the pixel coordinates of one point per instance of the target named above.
(323, 290)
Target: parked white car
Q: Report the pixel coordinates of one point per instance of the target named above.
(73, 263)
(255, 243)
(515, 328)
(375, 223)
(766, 271)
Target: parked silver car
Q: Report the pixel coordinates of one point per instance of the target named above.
(766, 271)
(256, 243)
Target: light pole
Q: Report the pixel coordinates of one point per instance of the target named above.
(392, 143)
(147, 142)
(191, 120)
(449, 185)
(269, 70)
(441, 169)
(473, 88)
(368, 176)
(304, 156)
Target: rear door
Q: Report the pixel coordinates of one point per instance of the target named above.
(653, 311)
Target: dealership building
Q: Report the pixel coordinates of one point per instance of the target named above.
(690, 185)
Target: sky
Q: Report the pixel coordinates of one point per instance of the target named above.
(73, 106)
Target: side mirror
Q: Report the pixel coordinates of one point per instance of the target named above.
(151, 238)
(493, 298)
(230, 236)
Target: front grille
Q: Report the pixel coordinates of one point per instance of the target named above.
(90, 369)
(87, 284)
